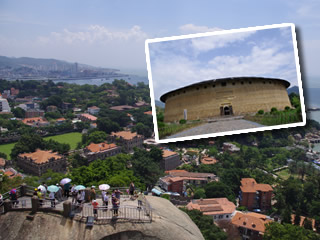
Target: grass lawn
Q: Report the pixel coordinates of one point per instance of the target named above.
(70, 138)
(285, 174)
(6, 148)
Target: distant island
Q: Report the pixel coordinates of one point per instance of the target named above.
(26, 68)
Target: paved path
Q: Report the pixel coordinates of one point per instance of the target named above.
(218, 126)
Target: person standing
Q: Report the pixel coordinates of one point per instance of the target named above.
(66, 189)
(131, 190)
(92, 193)
(115, 205)
(95, 208)
(52, 199)
(59, 193)
(40, 196)
(14, 198)
(106, 200)
(74, 194)
(140, 199)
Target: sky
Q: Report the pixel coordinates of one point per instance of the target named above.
(260, 53)
(113, 33)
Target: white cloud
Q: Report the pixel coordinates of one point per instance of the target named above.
(191, 28)
(218, 41)
(96, 33)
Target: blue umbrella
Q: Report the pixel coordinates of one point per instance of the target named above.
(79, 187)
(53, 188)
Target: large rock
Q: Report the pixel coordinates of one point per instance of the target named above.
(168, 223)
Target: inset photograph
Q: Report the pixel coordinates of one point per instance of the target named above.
(225, 82)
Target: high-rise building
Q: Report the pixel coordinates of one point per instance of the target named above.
(4, 105)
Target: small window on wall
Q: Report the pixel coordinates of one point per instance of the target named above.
(213, 85)
(205, 86)
(223, 84)
(233, 83)
(242, 82)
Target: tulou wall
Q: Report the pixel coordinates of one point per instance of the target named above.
(233, 96)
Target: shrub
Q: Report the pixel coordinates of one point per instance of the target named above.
(273, 110)
(287, 108)
(166, 196)
(260, 112)
(199, 193)
(182, 121)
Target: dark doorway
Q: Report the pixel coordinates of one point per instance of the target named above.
(226, 111)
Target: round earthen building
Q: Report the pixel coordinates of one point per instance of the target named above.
(227, 96)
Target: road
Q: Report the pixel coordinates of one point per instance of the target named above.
(218, 126)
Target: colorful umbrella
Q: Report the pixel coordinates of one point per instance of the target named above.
(79, 187)
(104, 187)
(42, 188)
(65, 181)
(53, 188)
(13, 190)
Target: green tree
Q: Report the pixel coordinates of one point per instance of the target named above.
(275, 231)
(205, 224)
(18, 112)
(218, 190)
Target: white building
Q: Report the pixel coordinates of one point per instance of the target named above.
(93, 110)
(4, 105)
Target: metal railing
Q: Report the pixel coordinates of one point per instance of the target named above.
(140, 214)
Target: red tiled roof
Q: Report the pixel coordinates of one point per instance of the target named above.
(208, 160)
(148, 113)
(175, 170)
(250, 185)
(251, 221)
(167, 153)
(121, 108)
(94, 107)
(125, 134)
(99, 147)
(89, 116)
(41, 156)
(33, 120)
(213, 206)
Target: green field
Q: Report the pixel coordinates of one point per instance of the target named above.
(70, 138)
(285, 174)
(6, 148)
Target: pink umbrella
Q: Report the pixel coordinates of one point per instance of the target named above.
(13, 190)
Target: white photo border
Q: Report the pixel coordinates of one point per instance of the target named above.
(219, 134)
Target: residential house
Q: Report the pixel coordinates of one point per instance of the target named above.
(32, 113)
(177, 180)
(100, 151)
(254, 195)
(38, 162)
(52, 108)
(36, 122)
(218, 208)
(85, 117)
(93, 110)
(127, 140)
(170, 160)
(250, 225)
(122, 107)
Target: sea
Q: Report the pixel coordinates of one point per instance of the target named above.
(132, 79)
(312, 100)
